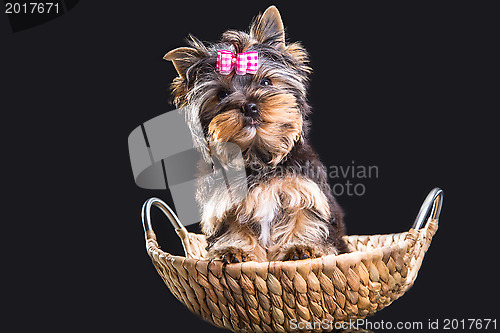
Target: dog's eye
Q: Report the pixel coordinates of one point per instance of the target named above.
(266, 82)
(222, 94)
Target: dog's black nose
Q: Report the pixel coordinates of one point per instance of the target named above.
(251, 110)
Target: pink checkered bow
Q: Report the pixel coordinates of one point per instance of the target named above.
(244, 63)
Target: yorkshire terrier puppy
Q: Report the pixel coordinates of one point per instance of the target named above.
(250, 89)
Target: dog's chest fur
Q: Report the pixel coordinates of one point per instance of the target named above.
(273, 209)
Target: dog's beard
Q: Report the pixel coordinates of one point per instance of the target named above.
(270, 137)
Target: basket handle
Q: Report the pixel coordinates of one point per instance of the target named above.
(146, 218)
(431, 208)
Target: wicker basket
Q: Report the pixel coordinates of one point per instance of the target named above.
(270, 296)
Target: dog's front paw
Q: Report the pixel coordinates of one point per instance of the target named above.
(299, 252)
(233, 256)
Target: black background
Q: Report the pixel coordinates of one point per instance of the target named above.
(407, 88)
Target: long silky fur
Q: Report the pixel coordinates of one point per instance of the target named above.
(289, 202)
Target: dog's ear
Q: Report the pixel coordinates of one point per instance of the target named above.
(268, 28)
(182, 58)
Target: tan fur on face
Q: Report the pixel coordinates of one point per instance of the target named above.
(228, 127)
(279, 128)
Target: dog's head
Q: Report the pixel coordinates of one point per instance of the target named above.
(262, 112)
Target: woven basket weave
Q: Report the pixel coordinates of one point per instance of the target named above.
(266, 297)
